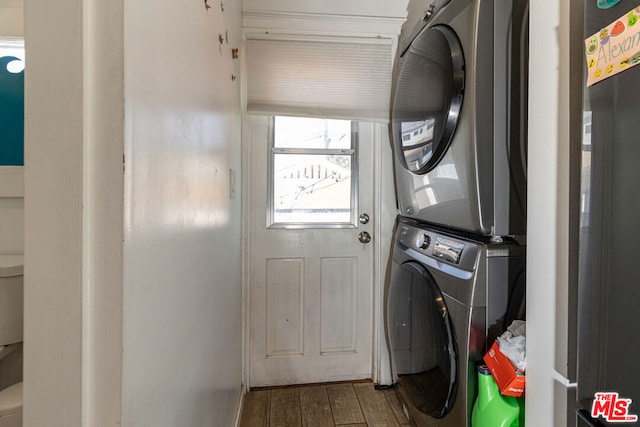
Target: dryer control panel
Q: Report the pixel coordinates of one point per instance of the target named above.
(433, 244)
(448, 249)
(423, 241)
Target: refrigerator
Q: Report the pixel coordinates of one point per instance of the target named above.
(608, 325)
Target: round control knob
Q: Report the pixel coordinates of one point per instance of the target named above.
(423, 241)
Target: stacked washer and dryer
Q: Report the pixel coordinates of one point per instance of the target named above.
(458, 128)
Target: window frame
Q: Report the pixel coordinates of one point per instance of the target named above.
(273, 151)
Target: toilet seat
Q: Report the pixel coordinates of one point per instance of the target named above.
(11, 400)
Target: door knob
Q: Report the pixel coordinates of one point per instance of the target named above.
(364, 237)
(364, 218)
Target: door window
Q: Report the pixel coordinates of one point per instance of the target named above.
(313, 173)
(427, 98)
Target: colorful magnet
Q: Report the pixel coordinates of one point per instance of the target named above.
(604, 36)
(618, 28)
(592, 45)
(606, 4)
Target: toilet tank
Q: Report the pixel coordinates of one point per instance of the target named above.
(11, 299)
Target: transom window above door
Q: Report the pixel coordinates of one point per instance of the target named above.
(312, 173)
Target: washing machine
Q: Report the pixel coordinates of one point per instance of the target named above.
(448, 297)
(458, 117)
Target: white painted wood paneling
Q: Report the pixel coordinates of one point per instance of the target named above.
(321, 23)
(336, 7)
(338, 308)
(285, 311)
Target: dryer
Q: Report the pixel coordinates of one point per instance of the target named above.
(447, 299)
(458, 117)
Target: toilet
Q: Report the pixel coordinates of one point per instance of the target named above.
(11, 327)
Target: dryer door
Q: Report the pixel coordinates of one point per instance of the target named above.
(422, 343)
(427, 98)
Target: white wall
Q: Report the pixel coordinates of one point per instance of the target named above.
(73, 213)
(11, 18)
(11, 210)
(182, 257)
(548, 213)
(53, 271)
(145, 332)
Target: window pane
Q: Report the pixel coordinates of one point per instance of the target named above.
(312, 188)
(301, 132)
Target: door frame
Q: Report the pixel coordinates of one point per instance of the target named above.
(385, 211)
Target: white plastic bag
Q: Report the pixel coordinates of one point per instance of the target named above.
(513, 343)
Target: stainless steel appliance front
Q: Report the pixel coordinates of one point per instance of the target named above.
(458, 118)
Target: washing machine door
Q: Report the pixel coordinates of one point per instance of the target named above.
(422, 342)
(427, 98)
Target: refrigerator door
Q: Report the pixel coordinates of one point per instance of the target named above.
(584, 420)
(609, 286)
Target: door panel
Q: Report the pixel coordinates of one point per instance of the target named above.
(311, 289)
(338, 287)
(285, 281)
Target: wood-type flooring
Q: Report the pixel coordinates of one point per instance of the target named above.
(322, 405)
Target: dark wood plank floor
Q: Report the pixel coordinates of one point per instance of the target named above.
(322, 405)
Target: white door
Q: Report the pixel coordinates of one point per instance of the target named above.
(311, 291)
